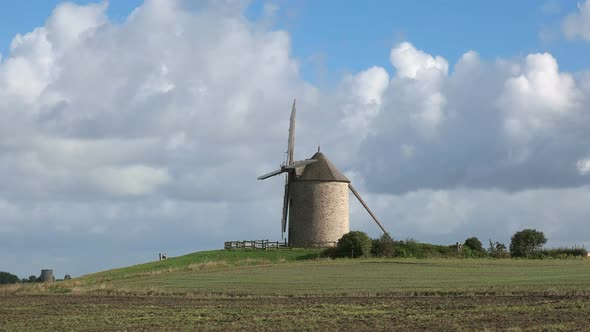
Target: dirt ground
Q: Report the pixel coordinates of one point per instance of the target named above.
(139, 313)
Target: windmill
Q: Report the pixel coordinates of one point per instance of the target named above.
(315, 201)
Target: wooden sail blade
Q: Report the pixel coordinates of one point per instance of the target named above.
(286, 199)
(273, 173)
(358, 196)
(291, 142)
(300, 163)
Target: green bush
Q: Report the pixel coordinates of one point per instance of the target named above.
(474, 244)
(468, 253)
(536, 255)
(354, 244)
(564, 252)
(498, 250)
(331, 252)
(383, 247)
(527, 243)
(412, 248)
(8, 278)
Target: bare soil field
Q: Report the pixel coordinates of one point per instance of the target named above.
(326, 313)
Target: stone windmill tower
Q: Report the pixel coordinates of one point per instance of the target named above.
(316, 198)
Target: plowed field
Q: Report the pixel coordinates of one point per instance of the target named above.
(469, 313)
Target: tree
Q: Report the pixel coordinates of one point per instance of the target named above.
(474, 244)
(354, 244)
(8, 278)
(383, 247)
(497, 249)
(32, 278)
(526, 242)
(67, 277)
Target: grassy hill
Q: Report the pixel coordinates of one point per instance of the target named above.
(373, 276)
(300, 273)
(203, 260)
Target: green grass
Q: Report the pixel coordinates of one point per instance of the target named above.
(199, 260)
(300, 273)
(374, 276)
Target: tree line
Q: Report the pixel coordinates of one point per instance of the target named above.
(527, 243)
(9, 278)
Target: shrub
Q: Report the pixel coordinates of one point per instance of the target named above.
(383, 247)
(331, 252)
(8, 278)
(474, 245)
(354, 244)
(564, 252)
(470, 253)
(498, 250)
(412, 248)
(526, 243)
(536, 255)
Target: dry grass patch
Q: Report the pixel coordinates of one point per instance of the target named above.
(207, 265)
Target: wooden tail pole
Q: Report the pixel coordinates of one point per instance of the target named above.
(358, 196)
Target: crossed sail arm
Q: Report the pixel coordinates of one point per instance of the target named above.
(287, 168)
(271, 174)
(358, 196)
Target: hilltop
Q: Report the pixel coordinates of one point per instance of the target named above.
(300, 273)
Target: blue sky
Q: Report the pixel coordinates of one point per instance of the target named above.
(121, 138)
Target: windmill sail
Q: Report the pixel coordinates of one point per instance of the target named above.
(290, 156)
(286, 199)
(273, 173)
(358, 196)
(289, 167)
(297, 164)
(291, 142)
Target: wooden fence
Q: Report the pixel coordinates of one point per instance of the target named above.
(276, 245)
(255, 245)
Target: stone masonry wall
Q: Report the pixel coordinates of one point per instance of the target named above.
(318, 213)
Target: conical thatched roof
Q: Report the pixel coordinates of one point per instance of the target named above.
(322, 170)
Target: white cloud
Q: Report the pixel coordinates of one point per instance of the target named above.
(365, 92)
(510, 124)
(583, 166)
(577, 25)
(156, 83)
(370, 85)
(130, 180)
(29, 68)
(410, 62)
(418, 82)
(69, 23)
(537, 97)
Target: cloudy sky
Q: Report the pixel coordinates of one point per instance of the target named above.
(137, 128)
